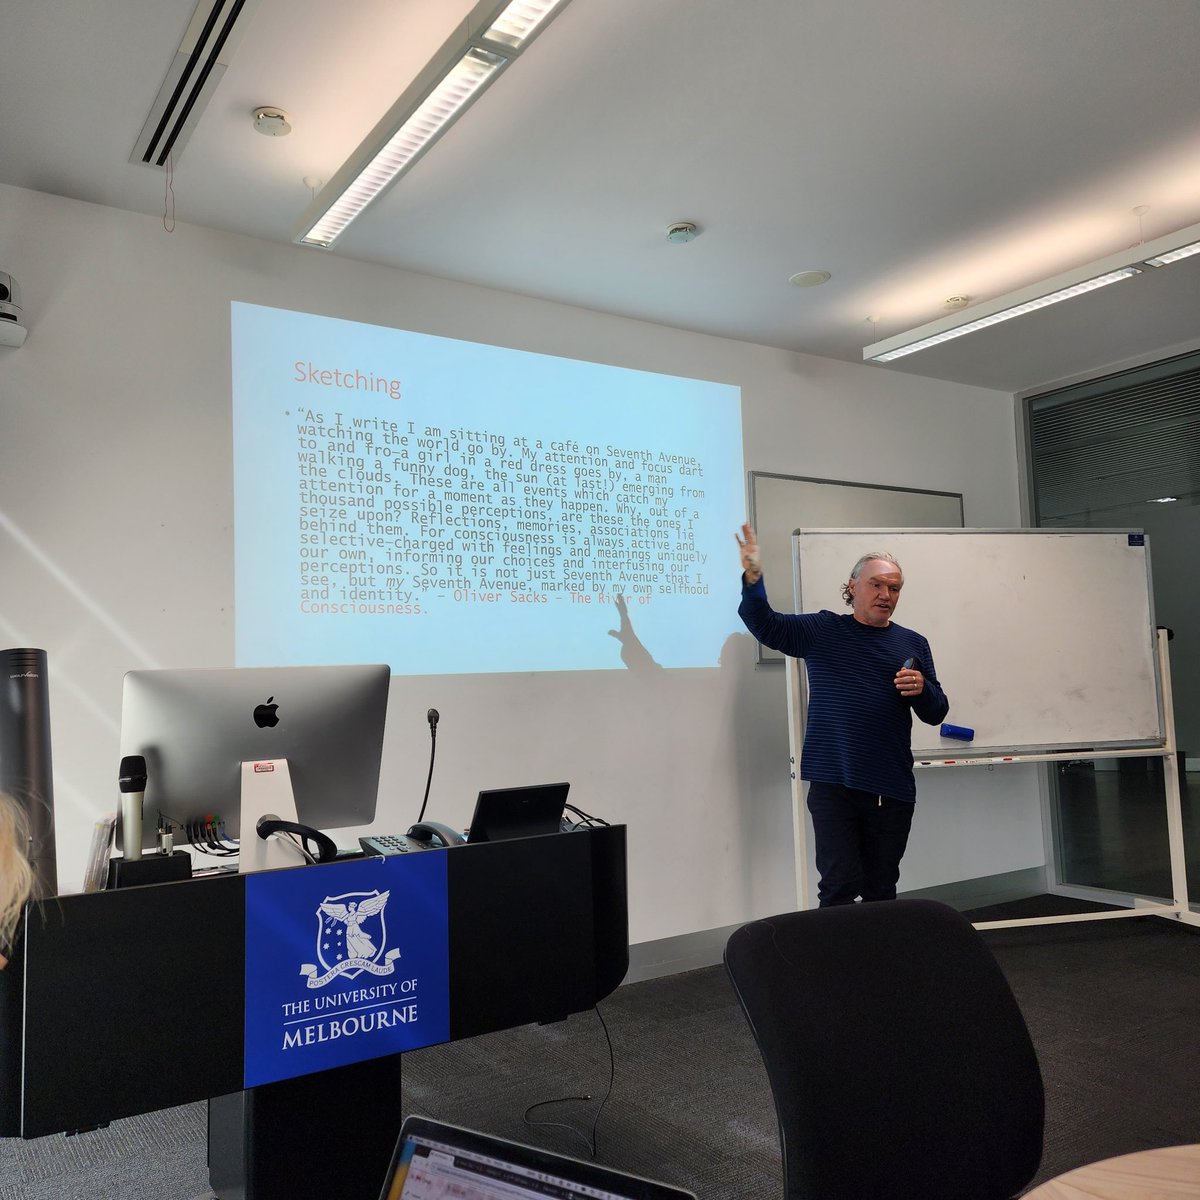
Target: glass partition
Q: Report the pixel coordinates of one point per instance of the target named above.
(1123, 452)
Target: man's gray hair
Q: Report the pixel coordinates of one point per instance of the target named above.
(856, 571)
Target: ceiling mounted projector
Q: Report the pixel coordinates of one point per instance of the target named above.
(12, 331)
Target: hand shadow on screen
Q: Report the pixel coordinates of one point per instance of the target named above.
(634, 655)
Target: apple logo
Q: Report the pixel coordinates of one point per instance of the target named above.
(266, 715)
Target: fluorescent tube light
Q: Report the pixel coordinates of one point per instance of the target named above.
(1050, 291)
(1007, 314)
(1161, 260)
(520, 21)
(491, 37)
(461, 84)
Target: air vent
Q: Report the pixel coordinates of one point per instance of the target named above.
(206, 50)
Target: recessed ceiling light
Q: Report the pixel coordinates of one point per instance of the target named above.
(1164, 500)
(810, 278)
(272, 121)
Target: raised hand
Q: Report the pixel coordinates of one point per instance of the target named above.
(751, 563)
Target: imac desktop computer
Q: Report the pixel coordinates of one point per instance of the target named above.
(196, 728)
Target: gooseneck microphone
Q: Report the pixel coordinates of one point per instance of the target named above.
(432, 716)
(132, 783)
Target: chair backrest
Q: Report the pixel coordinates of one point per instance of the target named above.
(899, 1061)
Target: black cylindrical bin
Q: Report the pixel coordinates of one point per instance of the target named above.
(25, 772)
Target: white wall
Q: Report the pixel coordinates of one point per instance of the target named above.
(116, 514)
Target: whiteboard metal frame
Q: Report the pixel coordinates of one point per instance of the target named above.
(1179, 906)
(1144, 747)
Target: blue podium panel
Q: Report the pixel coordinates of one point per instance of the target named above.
(345, 962)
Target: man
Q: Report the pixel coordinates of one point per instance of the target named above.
(866, 675)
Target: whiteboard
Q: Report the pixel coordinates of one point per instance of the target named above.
(781, 504)
(1043, 640)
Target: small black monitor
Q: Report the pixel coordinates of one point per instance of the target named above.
(196, 727)
(518, 812)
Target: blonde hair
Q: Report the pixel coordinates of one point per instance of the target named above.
(16, 875)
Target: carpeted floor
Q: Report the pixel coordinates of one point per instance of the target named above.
(1112, 1008)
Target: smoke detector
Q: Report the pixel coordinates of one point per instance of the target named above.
(272, 121)
(956, 302)
(682, 231)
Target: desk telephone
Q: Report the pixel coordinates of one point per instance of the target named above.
(424, 836)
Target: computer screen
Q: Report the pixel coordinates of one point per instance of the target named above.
(434, 1160)
(518, 812)
(195, 727)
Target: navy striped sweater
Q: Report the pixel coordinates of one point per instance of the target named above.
(859, 730)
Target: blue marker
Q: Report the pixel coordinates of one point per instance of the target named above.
(960, 732)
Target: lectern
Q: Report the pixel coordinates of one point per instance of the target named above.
(123, 1002)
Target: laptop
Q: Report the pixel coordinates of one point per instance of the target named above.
(518, 812)
(434, 1160)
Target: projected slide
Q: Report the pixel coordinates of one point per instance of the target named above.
(451, 507)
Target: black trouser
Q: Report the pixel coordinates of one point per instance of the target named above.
(860, 839)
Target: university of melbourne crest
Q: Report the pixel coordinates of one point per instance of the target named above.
(351, 938)
(346, 995)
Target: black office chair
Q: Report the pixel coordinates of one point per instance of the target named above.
(900, 1064)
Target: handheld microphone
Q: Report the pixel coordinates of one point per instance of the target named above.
(132, 783)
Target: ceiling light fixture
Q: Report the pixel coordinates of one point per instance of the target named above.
(805, 279)
(1161, 260)
(494, 33)
(1123, 265)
